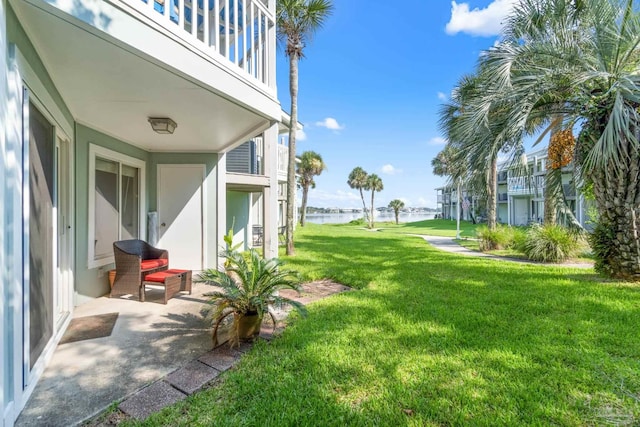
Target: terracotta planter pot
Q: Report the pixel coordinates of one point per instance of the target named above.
(249, 326)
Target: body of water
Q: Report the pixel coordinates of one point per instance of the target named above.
(341, 218)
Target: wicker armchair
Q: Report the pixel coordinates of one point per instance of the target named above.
(135, 259)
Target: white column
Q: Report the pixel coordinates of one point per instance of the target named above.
(221, 206)
(11, 179)
(4, 99)
(509, 203)
(270, 193)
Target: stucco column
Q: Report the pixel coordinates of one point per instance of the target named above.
(221, 206)
(270, 193)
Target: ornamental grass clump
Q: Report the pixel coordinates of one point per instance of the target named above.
(247, 288)
(550, 243)
(499, 238)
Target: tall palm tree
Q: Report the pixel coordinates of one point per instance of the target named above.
(358, 180)
(310, 165)
(374, 183)
(297, 21)
(396, 205)
(473, 121)
(582, 64)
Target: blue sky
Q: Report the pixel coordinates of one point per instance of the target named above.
(371, 85)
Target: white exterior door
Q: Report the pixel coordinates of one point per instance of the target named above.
(181, 214)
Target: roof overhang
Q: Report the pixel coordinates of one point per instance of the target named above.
(114, 88)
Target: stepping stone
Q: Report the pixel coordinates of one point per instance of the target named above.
(221, 358)
(192, 377)
(151, 399)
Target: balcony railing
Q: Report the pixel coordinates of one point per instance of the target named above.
(242, 37)
(526, 185)
(283, 161)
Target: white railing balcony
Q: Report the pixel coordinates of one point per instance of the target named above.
(240, 33)
(283, 162)
(526, 185)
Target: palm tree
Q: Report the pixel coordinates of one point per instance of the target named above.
(358, 180)
(579, 60)
(297, 21)
(473, 122)
(374, 183)
(396, 205)
(310, 165)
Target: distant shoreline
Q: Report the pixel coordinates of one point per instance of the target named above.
(342, 218)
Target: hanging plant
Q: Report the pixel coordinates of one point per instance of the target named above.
(561, 148)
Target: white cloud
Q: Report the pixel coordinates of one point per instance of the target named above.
(442, 96)
(330, 123)
(437, 141)
(301, 135)
(390, 170)
(478, 22)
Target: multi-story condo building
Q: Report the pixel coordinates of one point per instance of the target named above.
(519, 195)
(118, 120)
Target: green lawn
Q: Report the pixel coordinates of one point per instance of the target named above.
(432, 227)
(435, 339)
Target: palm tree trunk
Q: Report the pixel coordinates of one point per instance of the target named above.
(371, 218)
(492, 186)
(397, 221)
(550, 201)
(617, 193)
(303, 208)
(364, 206)
(291, 171)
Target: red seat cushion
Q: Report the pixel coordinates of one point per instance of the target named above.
(149, 264)
(176, 271)
(158, 277)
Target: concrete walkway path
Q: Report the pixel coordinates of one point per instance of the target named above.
(449, 244)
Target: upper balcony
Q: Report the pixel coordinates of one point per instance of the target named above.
(207, 64)
(237, 39)
(525, 185)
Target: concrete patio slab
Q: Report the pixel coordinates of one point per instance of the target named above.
(151, 399)
(148, 341)
(192, 377)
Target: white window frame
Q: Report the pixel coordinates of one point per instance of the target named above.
(105, 153)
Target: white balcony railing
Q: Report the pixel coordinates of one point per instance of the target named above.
(526, 185)
(283, 161)
(244, 36)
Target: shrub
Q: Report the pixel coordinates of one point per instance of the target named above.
(519, 239)
(359, 221)
(550, 243)
(500, 238)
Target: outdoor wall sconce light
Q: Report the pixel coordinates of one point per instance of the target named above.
(163, 125)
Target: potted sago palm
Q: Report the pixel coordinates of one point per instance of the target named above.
(246, 289)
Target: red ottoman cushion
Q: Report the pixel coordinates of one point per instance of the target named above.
(158, 277)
